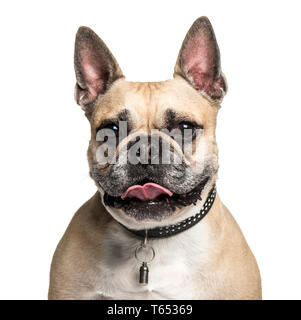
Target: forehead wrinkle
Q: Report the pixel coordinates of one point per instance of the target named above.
(141, 101)
(155, 94)
(153, 102)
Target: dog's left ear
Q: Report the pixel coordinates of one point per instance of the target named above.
(199, 61)
(95, 68)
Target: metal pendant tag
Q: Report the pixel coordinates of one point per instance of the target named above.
(143, 278)
(145, 254)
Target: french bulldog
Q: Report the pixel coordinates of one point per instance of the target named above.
(153, 229)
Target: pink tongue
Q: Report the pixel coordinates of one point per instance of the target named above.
(149, 191)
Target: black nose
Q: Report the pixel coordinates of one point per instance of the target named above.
(145, 150)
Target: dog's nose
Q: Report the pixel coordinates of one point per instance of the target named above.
(148, 153)
(145, 150)
(155, 152)
(137, 150)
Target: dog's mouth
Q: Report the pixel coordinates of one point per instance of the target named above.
(146, 191)
(149, 200)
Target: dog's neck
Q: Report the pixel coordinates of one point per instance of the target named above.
(196, 244)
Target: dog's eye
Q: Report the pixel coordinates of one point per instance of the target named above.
(111, 125)
(188, 129)
(185, 125)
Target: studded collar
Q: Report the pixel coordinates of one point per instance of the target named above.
(171, 230)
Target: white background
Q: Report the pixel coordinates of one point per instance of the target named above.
(44, 134)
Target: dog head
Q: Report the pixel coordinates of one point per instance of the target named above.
(152, 152)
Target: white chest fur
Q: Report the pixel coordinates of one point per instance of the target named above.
(173, 274)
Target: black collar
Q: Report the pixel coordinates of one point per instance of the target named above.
(171, 230)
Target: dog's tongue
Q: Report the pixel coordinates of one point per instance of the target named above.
(149, 191)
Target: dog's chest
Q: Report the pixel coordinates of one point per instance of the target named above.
(167, 280)
(172, 274)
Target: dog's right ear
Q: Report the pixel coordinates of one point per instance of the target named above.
(95, 68)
